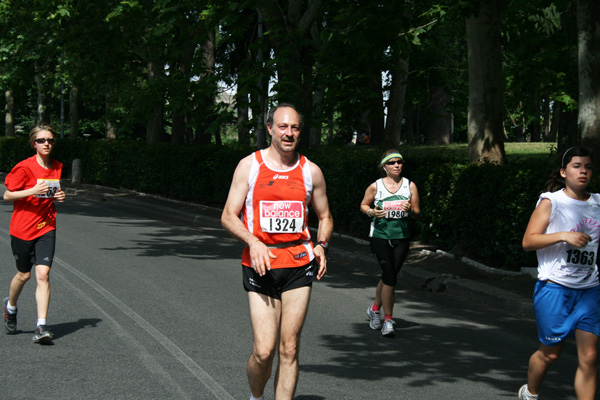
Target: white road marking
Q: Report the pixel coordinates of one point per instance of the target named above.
(217, 390)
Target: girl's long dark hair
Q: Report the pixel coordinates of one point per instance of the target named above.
(557, 182)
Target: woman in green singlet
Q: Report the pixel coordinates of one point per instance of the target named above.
(389, 202)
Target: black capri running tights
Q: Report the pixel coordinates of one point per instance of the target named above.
(390, 255)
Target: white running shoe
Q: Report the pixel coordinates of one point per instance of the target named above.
(42, 335)
(525, 395)
(388, 328)
(10, 320)
(374, 318)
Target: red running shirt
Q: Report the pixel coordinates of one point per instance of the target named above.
(276, 211)
(33, 216)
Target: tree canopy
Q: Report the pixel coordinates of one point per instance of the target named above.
(205, 70)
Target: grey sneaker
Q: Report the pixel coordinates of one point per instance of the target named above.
(10, 320)
(524, 394)
(374, 319)
(42, 335)
(388, 328)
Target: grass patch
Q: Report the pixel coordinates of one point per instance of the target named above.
(459, 152)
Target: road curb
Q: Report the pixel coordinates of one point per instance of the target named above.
(454, 285)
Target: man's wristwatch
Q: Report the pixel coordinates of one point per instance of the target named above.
(324, 245)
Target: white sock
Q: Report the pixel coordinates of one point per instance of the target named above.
(41, 321)
(255, 398)
(10, 309)
(529, 395)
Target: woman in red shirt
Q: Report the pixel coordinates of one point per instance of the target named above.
(33, 185)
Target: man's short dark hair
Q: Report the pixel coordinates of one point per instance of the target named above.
(280, 105)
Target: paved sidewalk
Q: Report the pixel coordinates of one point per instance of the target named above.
(425, 268)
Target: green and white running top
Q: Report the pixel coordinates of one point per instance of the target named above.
(395, 224)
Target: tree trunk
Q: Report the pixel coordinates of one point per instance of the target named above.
(259, 97)
(217, 134)
(520, 128)
(317, 126)
(155, 119)
(534, 114)
(555, 122)
(242, 121)
(207, 97)
(242, 95)
(291, 84)
(187, 36)
(438, 126)
(412, 125)
(43, 111)
(9, 110)
(110, 132)
(376, 114)
(74, 112)
(318, 92)
(242, 107)
(189, 130)
(395, 104)
(294, 51)
(486, 138)
(567, 130)
(588, 26)
(154, 125)
(372, 120)
(178, 126)
(546, 116)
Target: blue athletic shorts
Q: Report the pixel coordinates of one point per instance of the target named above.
(560, 310)
(277, 281)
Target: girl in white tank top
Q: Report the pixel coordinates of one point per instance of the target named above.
(564, 230)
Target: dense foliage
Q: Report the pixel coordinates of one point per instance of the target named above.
(477, 211)
(481, 211)
(159, 70)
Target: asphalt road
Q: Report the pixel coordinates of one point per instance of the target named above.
(147, 306)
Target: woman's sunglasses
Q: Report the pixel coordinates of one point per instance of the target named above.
(44, 140)
(399, 162)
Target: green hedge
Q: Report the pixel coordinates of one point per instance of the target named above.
(481, 211)
(477, 211)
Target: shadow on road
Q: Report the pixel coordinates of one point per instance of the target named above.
(67, 328)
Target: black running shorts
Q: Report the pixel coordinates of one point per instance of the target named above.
(39, 251)
(390, 255)
(277, 281)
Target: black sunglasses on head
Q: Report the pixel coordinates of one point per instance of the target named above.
(44, 140)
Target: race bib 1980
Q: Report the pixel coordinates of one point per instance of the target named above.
(393, 209)
(281, 216)
(53, 186)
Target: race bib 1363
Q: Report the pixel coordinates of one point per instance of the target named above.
(584, 257)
